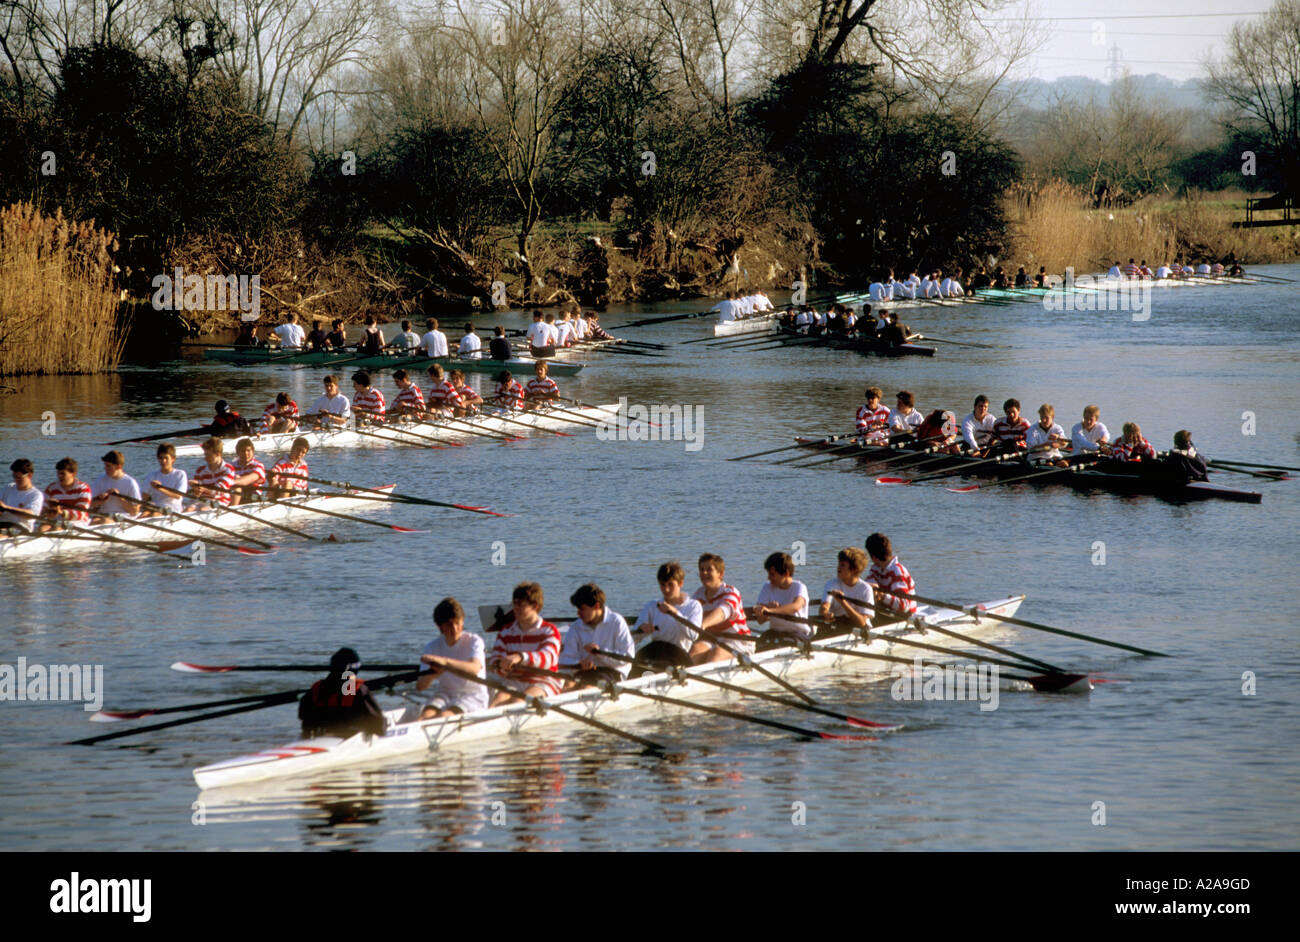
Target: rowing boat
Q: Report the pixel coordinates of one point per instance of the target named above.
(408, 737)
(746, 325)
(1109, 477)
(43, 545)
(495, 421)
(328, 359)
(863, 345)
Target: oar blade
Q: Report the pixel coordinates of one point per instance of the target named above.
(890, 481)
(871, 724)
(965, 489)
(117, 716)
(186, 667)
(1060, 683)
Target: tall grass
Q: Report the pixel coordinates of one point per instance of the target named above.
(1053, 224)
(58, 304)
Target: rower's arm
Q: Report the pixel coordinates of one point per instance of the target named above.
(715, 619)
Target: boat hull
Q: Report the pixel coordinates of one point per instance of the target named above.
(520, 366)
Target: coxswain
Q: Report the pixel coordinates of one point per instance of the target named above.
(499, 345)
(670, 641)
(171, 477)
(367, 401)
(1236, 271)
(469, 399)
(227, 423)
(67, 498)
(595, 330)
(114, 491)
(782, 594)
(250, 474)
(212, 479)
(724, 612)
(341, 704)
(248, 336)
(471, 346)
(20, 502)
(289, 475)
(595, 629)
(333, 409)
(509, 394)
(893, 333)
(337, 338)
(1184, 463)
(1045, 438)
(453, 647)
(407, 340)
(1131, 447)
(280, 416)
(904, 419)
(539, 337)
(409, 400)
(848, 596)
(1090, 434)
(528, 641)
(541, 389)
(977, 427)
(316, 337)
(1009, 429)
(434, 340)
(938, 431)
(290, 333)
(888, 577)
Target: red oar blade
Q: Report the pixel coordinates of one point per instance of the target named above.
(188, 668)
(870, 724)
(250, 551)
(393, 526)
(116, 716)
(885, 482)
(963, 490)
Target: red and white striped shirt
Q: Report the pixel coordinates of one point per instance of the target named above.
(369, 404)
(276, 411)
(296, 474)
(891, 583)
(443, 396)
(75, 499)
(218, 480)
(1010, 434)
(1123, 450)
(873, 422)
(1131, 270)
(541, 388)
(253, 467)
(511, 396)
(409, 399)
(539, 647)
(728, 597)
(467, 397)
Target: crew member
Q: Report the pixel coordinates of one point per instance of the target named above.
(250, 474)
(409, 400)
(782, 594)
(280, 416)
(1045, 438)
(21, 501)
(848, 596)
(341, 704)
(541, 389)
(873, 417)
(527, 642)
(167, 476)
(724, 613)
(1131, 446)
(333, 409)
(114, 491)
(68, 497)
(289, 475)
(890, 578)
(509, 393)
(499, 345)
(367, 401)
(1010, 429)
(595, 629)
(670, 641)
(977, 427)
(1090, 434)
(453, 647)
(213, 478)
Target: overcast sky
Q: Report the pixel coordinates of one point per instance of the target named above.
(1171, 38)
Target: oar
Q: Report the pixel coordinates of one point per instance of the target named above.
(967, 488)
(762, 695)
(117, 716)
(153, 438)
(1267, 475)
(217, 505)
(740, 656)
(958, 343)
(807, 444)
(902, 453)
(894, 437)
(171, 514)
(353, 517)
(951, 472)
(501, 416)
(977, 612)
(405, 498)
(577, 418)
(1252, 464)
(647, 321)
(469, 428)
(145, 522)
(375, 431)
(87, 533)
(189, 667)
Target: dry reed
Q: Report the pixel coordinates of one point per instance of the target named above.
(58, 303)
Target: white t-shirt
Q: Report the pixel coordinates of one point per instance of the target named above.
(904, 423)
(407, 340)
(580, 328)
(771, 595)
(1163, 272)
(435, 343)
(1114, 272)
(471, 346)
(564, 333)
(125, 485)
(931, 289)
(951, 288)
(762, 303)
(339, 405)
(667, 628)
(177, 480)
(971, 425)
(1037, 435)
(552, 335)
(32, 501)
(861, 591)
(448, 690)
(726, 309)
(1087, 441)
(1202, 269)
(537, 334)
(291, 336)
(609, 634)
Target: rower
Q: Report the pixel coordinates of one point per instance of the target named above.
(878, 292)
(1217, 269)
(471, 347)
(593, 327)
(1022, 277)
(724, 612)
(1184, 463)
(499, 345)
(1144, 271)
(372, 341)
(977, 427)
(762, 303)
(290, 333)
(564, 331)
(1040, 280)
(469, 399)
(782, 594)
(333, 409)
(527, 642)
(250, 474)
(726, 308)
(893, 333)
(407, 341)
(114, 491)
(579, 327)
(452, 695)
(847, 587)
(289, 475)
(1115, 271)
(367, 401)
(509, 394)
(341, 704)
(22, 497)
(1163, 272)
(248, 336)
(951, 287)
(912, 285)
(1010, 429)
(890, 578)
(931, 286)
(1090, 434)
(227, 423)
(980, 279)
(539, 337)
(409, 400)
(1236, 271)
(213, 478)
(1045, 438)
(434, 340)
(169, 476)
(804, 319)
(442, 398)
(337, 338)
(553, 331)
(1203, 269)
(904, 419)
(316, 338)
(596, 628)
(280, 416)
(1131, 270)
(670, 642)
(541, 389)
(67, 498)
(1131, 446)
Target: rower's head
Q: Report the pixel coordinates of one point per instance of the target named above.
(537, 317)
(469, 329)
(435, 372)
(879, 548)
(22, 471)
(66, 470)
(589, 600)
(1046, 413)
(1091, 415)
(331, 384)
(500, 331)
(712, 569)
(244, 449)
(780, 570)
(527, 601)
(981, 408)
(113, 463)
(874, 395)
(166, 455)
(433, 323)
(361, 381)
(299, 449)
(1132, 431)
(450, 619)
(1011, 408)
(850, 562)
(406, 325)
(291, 318)
(282, 399)
(370, 320)
(671, 578)
(1182, 439)
(401, 379)
(906, 401)
(337, 323)
(222, 407)
(457, 378)
(344, 661)
(503, 378)
(541, 369)
(212, 449)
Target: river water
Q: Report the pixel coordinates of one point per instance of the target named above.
(1176, 753)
